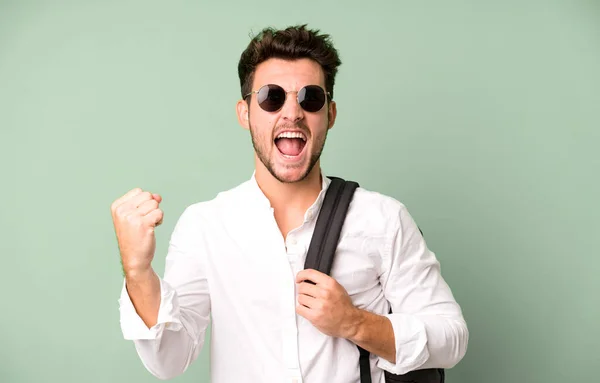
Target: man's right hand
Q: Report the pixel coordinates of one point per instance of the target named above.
(135, 216)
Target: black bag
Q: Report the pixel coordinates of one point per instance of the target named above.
(320, 257)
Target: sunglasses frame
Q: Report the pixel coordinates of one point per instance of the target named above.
(328, 97)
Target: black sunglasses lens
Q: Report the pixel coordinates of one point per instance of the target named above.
(311, 98)
(271, 97)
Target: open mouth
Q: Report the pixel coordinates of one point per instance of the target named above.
(290, 144)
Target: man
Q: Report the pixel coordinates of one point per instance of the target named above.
(238, 258)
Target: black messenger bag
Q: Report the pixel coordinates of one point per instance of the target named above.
(320, 257)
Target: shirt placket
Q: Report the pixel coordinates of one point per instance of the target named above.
(294, 252)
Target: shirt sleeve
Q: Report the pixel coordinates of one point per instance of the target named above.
(132, 325)
(428, 325)
(175, 341)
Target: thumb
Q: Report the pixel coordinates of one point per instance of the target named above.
(157, 197)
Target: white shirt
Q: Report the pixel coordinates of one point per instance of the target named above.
(227, 260)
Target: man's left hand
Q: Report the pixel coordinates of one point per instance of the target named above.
(326, 304)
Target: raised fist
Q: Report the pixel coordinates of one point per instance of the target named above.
(135, 216)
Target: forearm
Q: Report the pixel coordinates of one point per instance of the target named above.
(375, 334)
(143, 288)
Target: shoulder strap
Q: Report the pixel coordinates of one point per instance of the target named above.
(329, 225)
(325, 240)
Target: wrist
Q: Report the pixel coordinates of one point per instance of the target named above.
(356, 323)
(138, 274)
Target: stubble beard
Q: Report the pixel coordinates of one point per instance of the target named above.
(259, 143)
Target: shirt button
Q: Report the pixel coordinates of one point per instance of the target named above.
(292, 241)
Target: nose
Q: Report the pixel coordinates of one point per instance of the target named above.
(291, 110)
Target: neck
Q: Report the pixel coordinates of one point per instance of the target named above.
(290, 196)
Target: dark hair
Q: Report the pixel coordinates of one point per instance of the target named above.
(294, 42)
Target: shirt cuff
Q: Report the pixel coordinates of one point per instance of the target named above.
(411, 344)
(132, 325)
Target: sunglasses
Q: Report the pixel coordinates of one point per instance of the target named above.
(272, 97)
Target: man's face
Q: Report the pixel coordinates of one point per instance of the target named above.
(292, 157)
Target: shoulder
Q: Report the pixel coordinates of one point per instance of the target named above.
(383, 218)
(379, 212)
(227, 200)
(373, 200)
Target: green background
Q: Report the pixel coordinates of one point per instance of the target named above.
(482, 117)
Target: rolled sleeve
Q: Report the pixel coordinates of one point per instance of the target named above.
(132, 325)
(411, 344)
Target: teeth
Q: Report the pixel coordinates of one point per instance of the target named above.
(292, 135)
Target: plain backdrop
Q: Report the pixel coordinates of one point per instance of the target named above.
(482, 117)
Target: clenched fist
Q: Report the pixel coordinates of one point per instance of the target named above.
(135, 216)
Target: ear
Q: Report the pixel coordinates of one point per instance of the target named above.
(242, 114)
(332, 113)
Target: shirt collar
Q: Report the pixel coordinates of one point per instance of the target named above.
(259, 198)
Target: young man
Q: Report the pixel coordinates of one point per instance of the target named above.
(239, 257)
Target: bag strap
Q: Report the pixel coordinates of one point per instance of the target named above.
(365, 366)
(329, 224)
(325, 239)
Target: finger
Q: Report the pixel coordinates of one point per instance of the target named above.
(126, 197)
(304, 311)
(157, 197)
(307, 301)
(308, 289)
(312, 275)
(154, 218)
(147, 206)
(140, 198)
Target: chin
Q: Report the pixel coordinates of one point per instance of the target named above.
(290, 175)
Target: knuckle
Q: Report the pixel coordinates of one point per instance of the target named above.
(119, 211)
